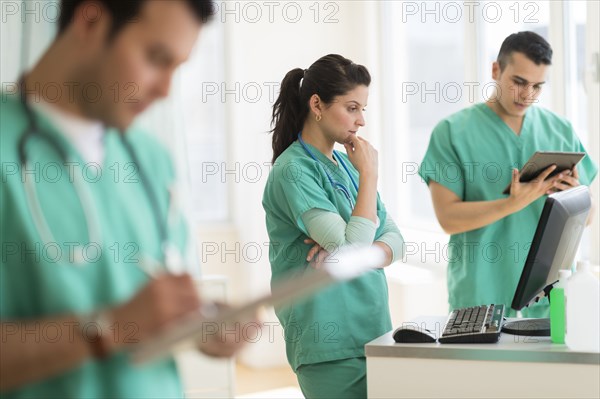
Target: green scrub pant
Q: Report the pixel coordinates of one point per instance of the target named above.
(346, 378)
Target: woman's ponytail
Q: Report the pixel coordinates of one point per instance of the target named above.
(330, 76)
(289, 112)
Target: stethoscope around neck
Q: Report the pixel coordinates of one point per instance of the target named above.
(334, 183)
(168, 253)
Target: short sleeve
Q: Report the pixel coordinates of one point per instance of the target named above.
(441, 162)
(299, 186)
(587, 168)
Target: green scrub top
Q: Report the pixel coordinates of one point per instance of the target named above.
(38, 279)
(338, 321)
(472, 153)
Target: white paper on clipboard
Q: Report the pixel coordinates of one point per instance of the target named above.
(343, 266)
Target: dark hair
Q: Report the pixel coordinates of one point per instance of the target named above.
(330, 76)
(124, 11)
(535, 47)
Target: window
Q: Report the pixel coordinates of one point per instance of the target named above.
(576, 84)
(204, 125)
(577, 107)
(199, 147)
(434, 52)
(423, 93)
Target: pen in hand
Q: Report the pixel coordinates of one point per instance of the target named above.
(174, 266)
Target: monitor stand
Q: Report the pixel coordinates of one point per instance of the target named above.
(528, 327)
(531, 327)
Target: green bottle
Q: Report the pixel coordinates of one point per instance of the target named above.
(557, 309)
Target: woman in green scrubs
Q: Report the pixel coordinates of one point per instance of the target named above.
(317, 195)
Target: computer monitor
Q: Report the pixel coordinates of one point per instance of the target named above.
(554, 247)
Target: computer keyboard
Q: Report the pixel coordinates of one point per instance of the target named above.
(478, 324)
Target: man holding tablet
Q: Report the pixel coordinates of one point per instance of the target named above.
(471, 158)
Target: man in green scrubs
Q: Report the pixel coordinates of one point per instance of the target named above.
(474, 154)
(74, 284)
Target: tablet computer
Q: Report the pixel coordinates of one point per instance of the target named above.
(541, 160)
(184, 333)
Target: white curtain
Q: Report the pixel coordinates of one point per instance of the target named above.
(26, 30)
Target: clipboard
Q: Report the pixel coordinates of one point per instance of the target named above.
(184, 333)
(541, 160)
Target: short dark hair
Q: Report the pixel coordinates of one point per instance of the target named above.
(124, 11)
(535, 47)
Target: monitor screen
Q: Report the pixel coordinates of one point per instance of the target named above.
(554, 244)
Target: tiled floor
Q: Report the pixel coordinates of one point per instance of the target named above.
(266, 383)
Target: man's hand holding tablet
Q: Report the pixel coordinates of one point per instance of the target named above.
(564, 163)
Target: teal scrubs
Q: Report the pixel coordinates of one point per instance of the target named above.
(337, 322)
(472, 154)
(345, 378)
(39, 280)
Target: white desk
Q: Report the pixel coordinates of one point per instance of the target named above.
(513, 367)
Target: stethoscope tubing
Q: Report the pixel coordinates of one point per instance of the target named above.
(332, 181)
(82, 191)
